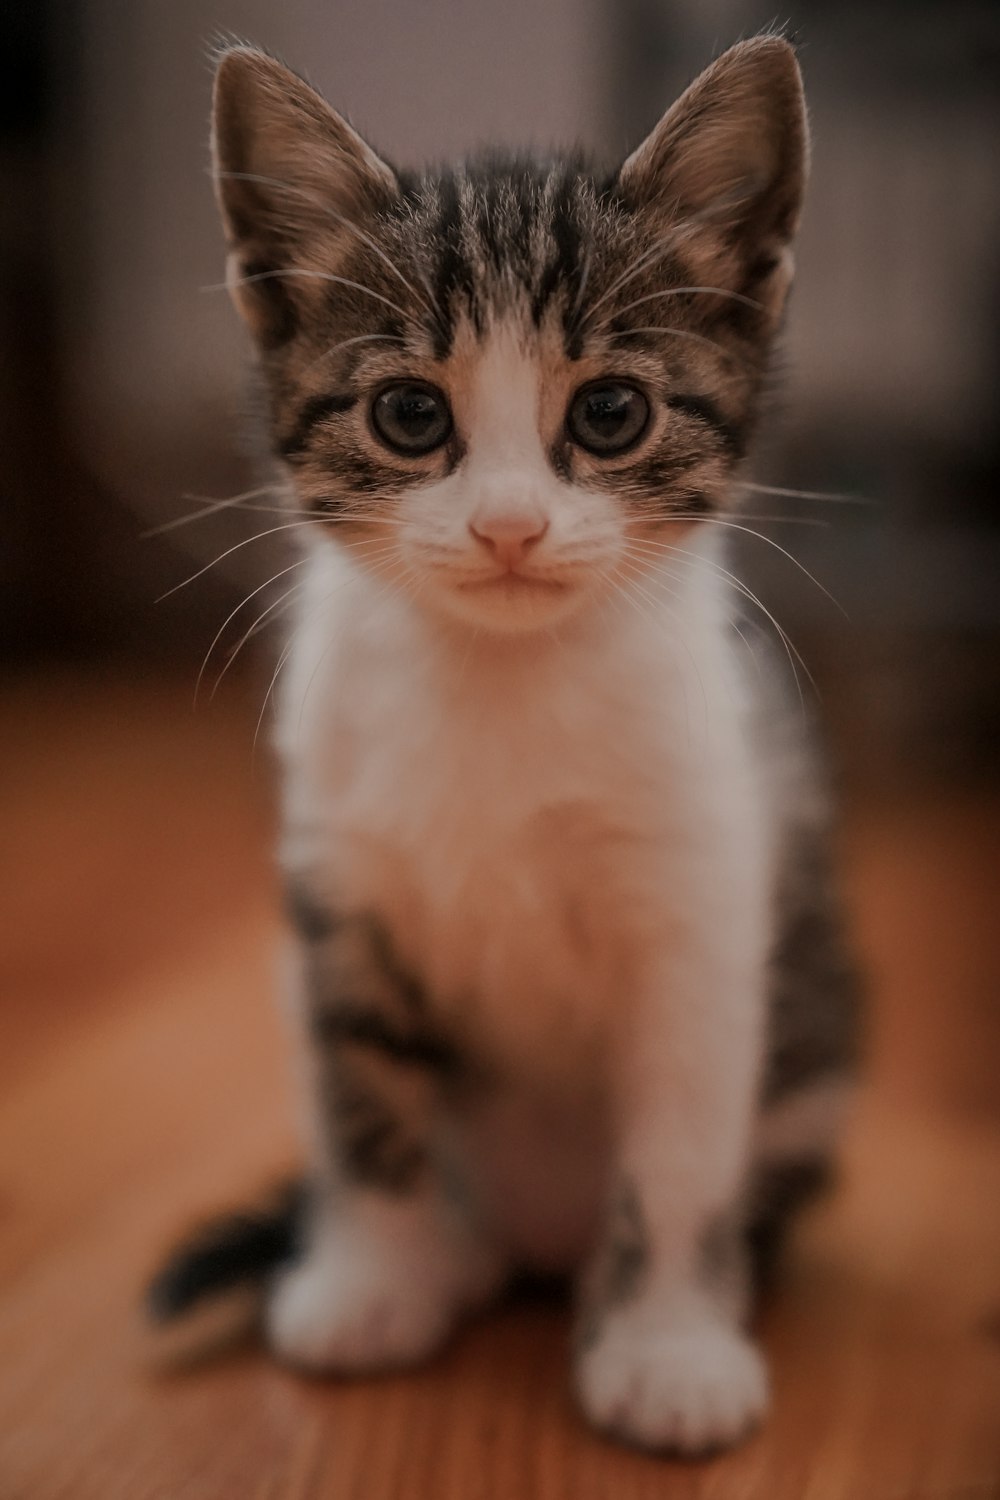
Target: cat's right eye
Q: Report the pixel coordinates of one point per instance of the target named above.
(412, 417)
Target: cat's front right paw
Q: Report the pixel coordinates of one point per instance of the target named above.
(364, 1300)
(340, 1315)
(688, 1389)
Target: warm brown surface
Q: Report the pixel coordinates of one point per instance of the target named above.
(142, 1082)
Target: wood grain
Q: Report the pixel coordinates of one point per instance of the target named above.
(144, 1081)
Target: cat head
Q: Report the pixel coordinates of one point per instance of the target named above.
(496, 384)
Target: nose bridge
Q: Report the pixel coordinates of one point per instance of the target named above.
(507, 466)
(508, 498)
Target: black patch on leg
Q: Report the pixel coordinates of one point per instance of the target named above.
(414, 1047)
(374, 1146)
(816, 990)
(406, 985)
(621, 1263)
(312, 920)
(369, 1019)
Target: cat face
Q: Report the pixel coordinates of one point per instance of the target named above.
(494, 384)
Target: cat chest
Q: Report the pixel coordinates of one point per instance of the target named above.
(517, 911)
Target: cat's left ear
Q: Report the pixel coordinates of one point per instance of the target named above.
(291, 179)
(726, 167)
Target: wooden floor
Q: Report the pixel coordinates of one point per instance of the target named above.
(143, 1082)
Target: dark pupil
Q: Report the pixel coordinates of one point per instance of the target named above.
(412, 418)
(415, 412)
(608, 418)
(607, 412)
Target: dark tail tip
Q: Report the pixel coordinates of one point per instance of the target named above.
(236, 1250)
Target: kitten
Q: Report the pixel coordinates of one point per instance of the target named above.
(567, 954)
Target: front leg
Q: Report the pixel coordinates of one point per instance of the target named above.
(392, 1252)
(662, 1357)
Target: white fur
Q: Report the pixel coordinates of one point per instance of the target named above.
(380, 1287)
(668, 1381)
(550, 796)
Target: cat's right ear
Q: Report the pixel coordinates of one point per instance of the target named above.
(291, 180)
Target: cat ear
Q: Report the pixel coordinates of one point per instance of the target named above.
(291, 178)
(727, 166)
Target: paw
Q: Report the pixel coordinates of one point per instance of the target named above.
(361, 1302)
(690, 1388)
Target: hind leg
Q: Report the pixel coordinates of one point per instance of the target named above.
(393, 1251)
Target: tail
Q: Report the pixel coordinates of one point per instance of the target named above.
(223, 1268)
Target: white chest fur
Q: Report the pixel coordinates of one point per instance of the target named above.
(528, 816)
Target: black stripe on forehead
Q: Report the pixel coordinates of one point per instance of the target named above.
(453, 275)
(565, 267)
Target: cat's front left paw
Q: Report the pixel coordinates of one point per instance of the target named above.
(690, 1388)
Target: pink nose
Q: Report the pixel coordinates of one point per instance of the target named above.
(509, 536)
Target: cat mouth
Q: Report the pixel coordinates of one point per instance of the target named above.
(513, 585)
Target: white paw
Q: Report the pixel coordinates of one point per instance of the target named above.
(363, 1301)
(690, 1388)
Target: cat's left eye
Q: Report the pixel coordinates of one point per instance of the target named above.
(411, 417)
(607, 416)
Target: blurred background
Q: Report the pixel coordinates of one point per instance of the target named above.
(125, 377)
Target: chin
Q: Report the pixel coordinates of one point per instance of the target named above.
(511, 605)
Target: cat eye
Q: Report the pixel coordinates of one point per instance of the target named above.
(411, 417)
(607, 417)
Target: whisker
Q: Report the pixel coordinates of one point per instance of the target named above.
(626, 276)
(286, 653)
(330, 212)
(306, 274)
(383, 549)
(634, 551)
(233, 613)
(249, 634)
(258, 536)
(652, 600)
(781, 520)
(770, 542)
(681, 291)
(791, 650)
(360, 338)
(832, 496)
(323, 654)
(626, 594)
(210, 507)
(257, 626)
(682, 333)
